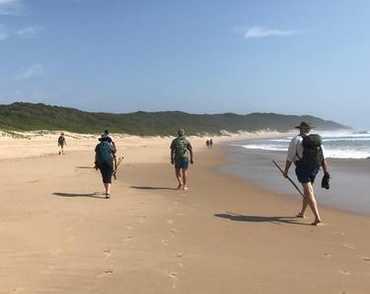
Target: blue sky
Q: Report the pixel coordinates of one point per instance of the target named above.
(286, 56)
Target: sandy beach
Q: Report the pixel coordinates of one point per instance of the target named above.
(59, 235)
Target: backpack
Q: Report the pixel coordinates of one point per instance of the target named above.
(181, 147)
(312, 152)
(104, 153)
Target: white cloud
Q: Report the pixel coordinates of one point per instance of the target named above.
(263, 32)
(29, 32)
(10, 7)
(35, 70)
(24, 33)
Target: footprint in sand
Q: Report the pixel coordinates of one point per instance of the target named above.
(18, 290)
(344, 272)
(327, 255)
(164, 242)
(129, 238)
(107, 253)
(173, 277)
(170, 221)
(349, 246)
(339, 233)
(106, 274)
(173, 232)
(179, 254)
(366, 259)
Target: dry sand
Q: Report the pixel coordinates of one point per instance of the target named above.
(58, 235)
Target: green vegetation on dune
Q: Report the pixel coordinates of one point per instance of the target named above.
(29, 117)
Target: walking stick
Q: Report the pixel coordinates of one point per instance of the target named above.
(289, 179)
(117, 165)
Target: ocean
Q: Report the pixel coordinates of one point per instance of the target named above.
(343, 144)
(348, 156)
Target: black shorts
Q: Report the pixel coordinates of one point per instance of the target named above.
(306, 175)
(106, 170)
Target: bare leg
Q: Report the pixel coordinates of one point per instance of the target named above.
(309, 194)
(304, 206)
(178, 177)
(184, 178)
(107, 190)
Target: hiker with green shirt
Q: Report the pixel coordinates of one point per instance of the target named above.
(180, 150)
(307, 153)
(61, 143)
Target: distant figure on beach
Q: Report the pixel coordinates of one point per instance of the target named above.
(307, 152)
(210, 143)
(180, 150)
(104, 160)
(61, 143)
(207, 143)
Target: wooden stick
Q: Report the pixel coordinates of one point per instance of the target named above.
(290, 180)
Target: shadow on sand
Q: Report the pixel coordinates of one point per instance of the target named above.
(71, 195)
(260, 219)
(152, 188)
(85, 167)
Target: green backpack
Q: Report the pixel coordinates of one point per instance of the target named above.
(104, 153)
(181, 148)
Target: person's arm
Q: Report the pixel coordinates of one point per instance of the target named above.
(288, 163)
(324, 162)
(292, 152)
(172, 152)
(190, 148)
(96, 165)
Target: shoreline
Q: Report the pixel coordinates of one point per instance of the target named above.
(349, 179)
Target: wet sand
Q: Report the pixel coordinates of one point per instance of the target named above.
(58, 235)
(349, 177)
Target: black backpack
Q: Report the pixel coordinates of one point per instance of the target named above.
(312, 152)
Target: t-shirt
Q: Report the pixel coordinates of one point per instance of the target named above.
(61, 140)
(181, 146)
(295, 150)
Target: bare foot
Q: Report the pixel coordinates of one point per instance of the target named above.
(185, 188)
(300, 215)
(316, 223)
(179, 187)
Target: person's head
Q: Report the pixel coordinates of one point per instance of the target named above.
(62, 134)
(304, 128)
(181, 132)
(106, 132)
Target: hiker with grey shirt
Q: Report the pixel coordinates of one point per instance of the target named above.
(308, 154)
(180, 148)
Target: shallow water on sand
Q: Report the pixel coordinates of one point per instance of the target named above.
(349, 177)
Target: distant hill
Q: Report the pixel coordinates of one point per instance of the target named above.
(28, 117)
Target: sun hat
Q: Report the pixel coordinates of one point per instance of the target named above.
(303, 125)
